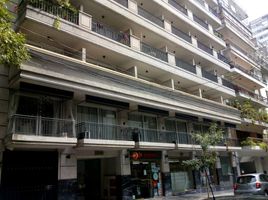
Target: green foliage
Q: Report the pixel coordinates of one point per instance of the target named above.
(68, 5)
(251, 142)
(56, 23)
(12, 45)
(208, 158)
(248, 142)
(248, 111)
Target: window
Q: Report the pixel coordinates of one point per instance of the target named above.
(246, 179)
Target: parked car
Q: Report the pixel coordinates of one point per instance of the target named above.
(255, 184)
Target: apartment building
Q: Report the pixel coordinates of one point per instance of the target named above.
(106, 106)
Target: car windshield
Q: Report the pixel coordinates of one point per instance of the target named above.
(246, 179)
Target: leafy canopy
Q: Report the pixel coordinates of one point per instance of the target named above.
(208, 158)
(12, 45)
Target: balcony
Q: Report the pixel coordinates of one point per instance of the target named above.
(42, 129)
(250, 94)
(54, 9)
(200, 21)
(204, 48)
(250, 73)
(185, 66)
(181, 34)
(123, 2)
(223, 58)
(157, 53)
(108, 32)
(213, 11)
(227, 84)
(147, 15)
(178, 6)
(209, 76)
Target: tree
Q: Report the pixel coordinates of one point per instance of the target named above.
(12, 45)
(208, 157)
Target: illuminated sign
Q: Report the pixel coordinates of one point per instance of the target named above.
(141, 155)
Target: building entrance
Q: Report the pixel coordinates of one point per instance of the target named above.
(97, 179)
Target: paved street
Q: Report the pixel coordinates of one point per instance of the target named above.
(197, 196)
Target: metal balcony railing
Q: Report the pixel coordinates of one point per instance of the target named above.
(123, 2)
(178, 6)
(218, 34)
(200, 21)
(209, 76)
(250, 73)
(186, 66)
(90, 130)
(250, 94)
(204, 47)
(144, 13)
(154, 52)
(228, 84)
(229, 142)
(181, 34)
(55, 9)
(201, 2)
(223, 58)
(213, 11)
(41, 126)
(108, 32)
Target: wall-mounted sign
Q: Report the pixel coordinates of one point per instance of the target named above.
(143, 155)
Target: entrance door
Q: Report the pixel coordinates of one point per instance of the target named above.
(89, 178)
(29, 175)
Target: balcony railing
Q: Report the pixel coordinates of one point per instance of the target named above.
(213, 11)
(122, 2)
(223, 58)
(154, 52)
(209, 76)
(181, 34)
(108, 32)
(144, 13)
(250, 94)
(228, 84)
(200, 21)
(89, 130)
(201, 2)
(250, 73)
(41, 126)
(204, 47)
(185, 66)
(55, 9)
(178, 6)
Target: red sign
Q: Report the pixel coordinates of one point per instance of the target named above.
(140, 155)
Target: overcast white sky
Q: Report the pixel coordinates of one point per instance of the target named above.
(254, 8)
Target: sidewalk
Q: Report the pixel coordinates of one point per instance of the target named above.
(197, 196)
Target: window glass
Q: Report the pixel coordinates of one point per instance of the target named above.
(246, 179)
(182, 127)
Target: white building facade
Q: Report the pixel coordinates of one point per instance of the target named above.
(106, 106)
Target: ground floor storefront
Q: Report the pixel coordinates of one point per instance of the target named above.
(104, 174)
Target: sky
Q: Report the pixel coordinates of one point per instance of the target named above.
(254, 8)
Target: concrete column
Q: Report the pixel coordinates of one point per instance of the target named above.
(169, 83)
(190, 14)
(210, 29)
(133, 71)
(85, 20)
(84, 54)
(171, 58)
(124, 183)
(194, 41)
(133, 6)
(199, 70)
(67, 175)
(167, 25)
(215, 53)
(166, 177)
(219, 80)
(135, 42)
(200, 92)
(258, 164)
